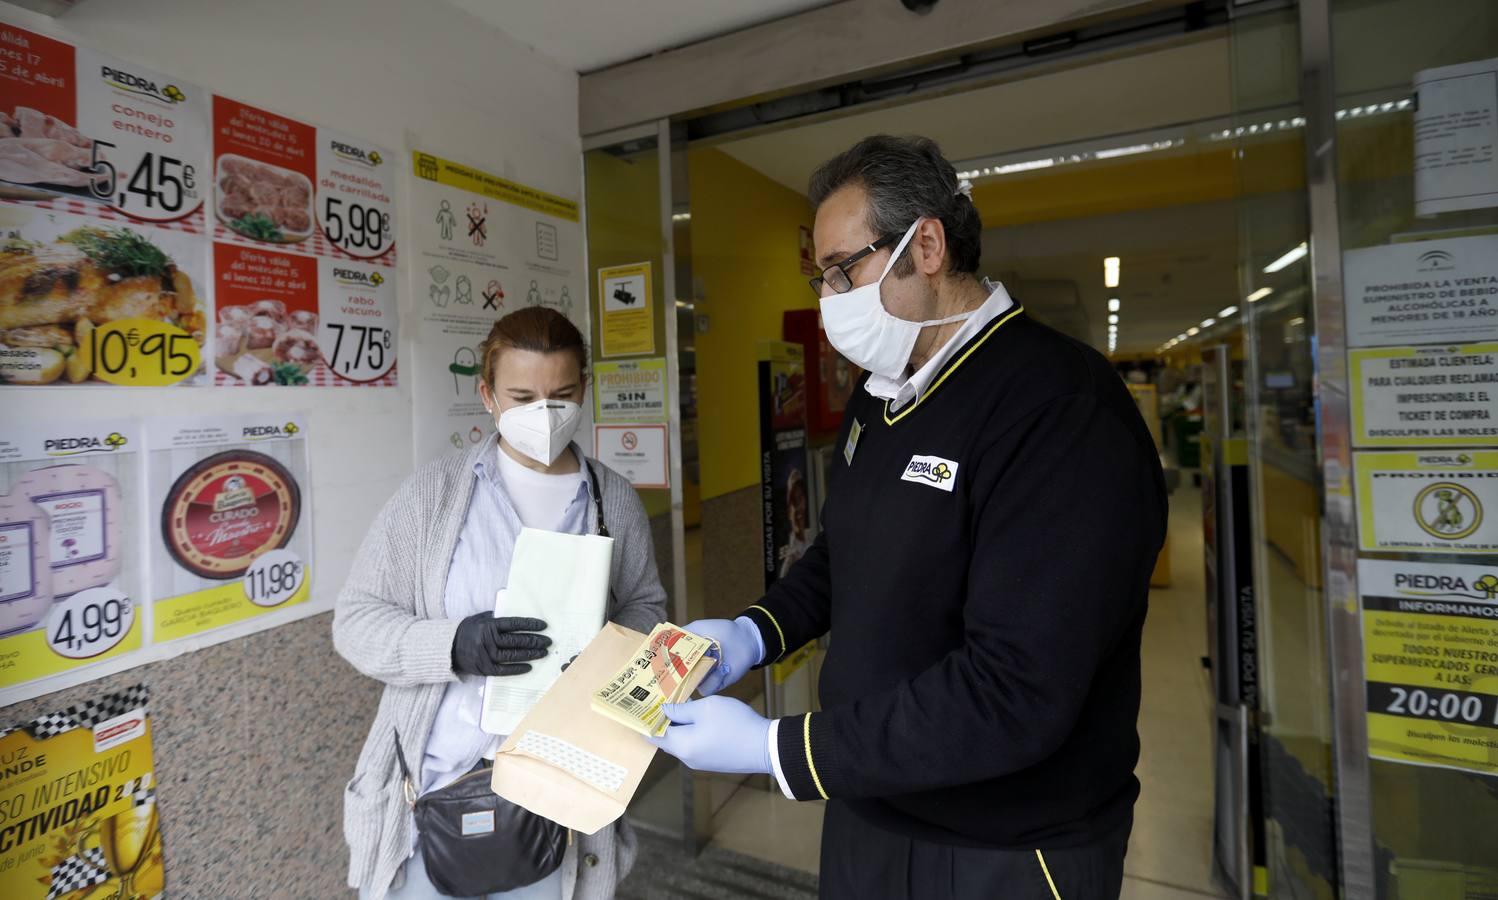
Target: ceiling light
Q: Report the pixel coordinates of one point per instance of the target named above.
(1227, 312)
(1298, 320)
(1110, 272)
(1113, 319)
(1193, 332)
(1290, 256)
(1113, 305)
(1260, 294)
(1180, 337)
(1208, 323)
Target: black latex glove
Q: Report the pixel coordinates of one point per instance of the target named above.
(485, 645)
(570, 661)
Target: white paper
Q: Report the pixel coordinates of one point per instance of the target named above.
(1422, 292)
(564, 580)
(1456, 138)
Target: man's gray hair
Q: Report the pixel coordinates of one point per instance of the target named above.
(906, 178)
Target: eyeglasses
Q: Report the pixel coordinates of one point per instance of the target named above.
(836, 275)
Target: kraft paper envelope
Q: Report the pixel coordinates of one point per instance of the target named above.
(571, 765)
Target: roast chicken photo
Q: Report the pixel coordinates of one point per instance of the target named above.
(53, 295)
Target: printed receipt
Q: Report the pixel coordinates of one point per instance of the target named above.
(564, 580)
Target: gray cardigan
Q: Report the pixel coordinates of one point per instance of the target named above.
(389, 623)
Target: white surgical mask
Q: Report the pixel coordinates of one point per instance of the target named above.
(541, 430)
(861, 329)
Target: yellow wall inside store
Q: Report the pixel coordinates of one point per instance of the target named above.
(746, 261)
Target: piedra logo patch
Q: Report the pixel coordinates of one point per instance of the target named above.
(932, 471)
(137, 84)
(76, 446)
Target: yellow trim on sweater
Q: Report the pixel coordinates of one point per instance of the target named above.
(806, 738)
(778, 630)
(1055, 894)
(1003, 320)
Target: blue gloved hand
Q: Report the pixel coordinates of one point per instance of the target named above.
(718, 734)
(741, 649)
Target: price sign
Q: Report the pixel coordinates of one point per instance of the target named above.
(89, 623)
(274, 578)
(160, 185)
(140, 352)
(355, 195)
(357, 315)
(358, 229)
(149, 134)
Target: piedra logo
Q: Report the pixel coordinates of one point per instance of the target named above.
(355, 278)
(77, 446)
(145, 87)
(351, 153)
(931, 470)
(1420, 584)
(271, 432)
(1447, 460)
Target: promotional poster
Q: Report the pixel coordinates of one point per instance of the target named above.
(102, 192)
(783, 460)
(78, 816)
(70, 581)
(229, 497)
(304, 253)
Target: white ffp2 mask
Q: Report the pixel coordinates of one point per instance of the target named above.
(861, 329)
(541, 430)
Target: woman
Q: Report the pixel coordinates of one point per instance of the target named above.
(417, 611)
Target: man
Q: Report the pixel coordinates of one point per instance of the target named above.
(994, 512)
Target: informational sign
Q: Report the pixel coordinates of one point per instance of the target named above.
(1430, 639)
(638, 452)
(304, 253)
(1456, 138)
(1425, 396)
(228, 497)
(485, 247)
(1434, 502)
(783, 463)
(102, 195)
(630, 391)
(78, 812)
(1422, 292)
(627, 322)
(70, 581)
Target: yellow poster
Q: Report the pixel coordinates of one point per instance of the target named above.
(78, 804)
(70, 573)
(626, 322)
(1430, 502)
(1430, 639)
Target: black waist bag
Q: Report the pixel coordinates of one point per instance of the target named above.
(475, 842)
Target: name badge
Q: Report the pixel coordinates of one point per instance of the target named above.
(853, 435)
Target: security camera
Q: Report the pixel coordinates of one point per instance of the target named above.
(919, 7)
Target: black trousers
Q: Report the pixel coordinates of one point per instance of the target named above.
(861, 861)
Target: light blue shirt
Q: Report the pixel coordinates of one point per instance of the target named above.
(480, 567)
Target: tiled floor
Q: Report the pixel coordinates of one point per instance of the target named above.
(1170, 853)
